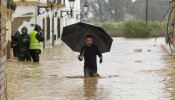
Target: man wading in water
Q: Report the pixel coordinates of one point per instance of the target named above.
(89, 52)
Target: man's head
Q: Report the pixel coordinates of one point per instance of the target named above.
(89, 40)
(37, 28)
(24, 30)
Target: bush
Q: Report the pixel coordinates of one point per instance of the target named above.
(136, 29)
(109, 25)
(11, 5)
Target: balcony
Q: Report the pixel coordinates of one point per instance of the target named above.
(58, 3)
(26, 2)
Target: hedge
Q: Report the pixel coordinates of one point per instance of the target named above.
(134, 28)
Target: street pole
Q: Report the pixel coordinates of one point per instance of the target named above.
(146, 12)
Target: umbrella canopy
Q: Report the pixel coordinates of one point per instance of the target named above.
(74, 35)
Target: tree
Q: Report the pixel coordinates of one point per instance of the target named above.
(116, 10)
(156, 9)
(109, 10)
(99, 9)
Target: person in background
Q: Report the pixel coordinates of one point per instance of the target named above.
(89, 52)
(14, 43)
(24, 45)
(36, 36)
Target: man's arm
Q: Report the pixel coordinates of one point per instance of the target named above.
(99, 54)
(80, 57)
(40, 37)
(82, 51)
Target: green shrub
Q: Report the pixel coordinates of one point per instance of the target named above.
(136, 29)
(109, 25)
(11, 5)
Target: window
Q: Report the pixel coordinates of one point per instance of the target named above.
(48, 28)
(44, 30)
(63, 2)
(53, 37)
(58, 28)
(53, 22)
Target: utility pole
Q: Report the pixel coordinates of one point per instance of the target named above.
(146, 12)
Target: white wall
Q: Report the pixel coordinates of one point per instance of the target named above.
(38, 19)
(20, 10)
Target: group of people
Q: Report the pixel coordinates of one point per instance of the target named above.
(26, 46)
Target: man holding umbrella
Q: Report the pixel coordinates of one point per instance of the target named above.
(89, 52)
(90, 41)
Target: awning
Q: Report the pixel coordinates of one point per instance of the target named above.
(18, 21)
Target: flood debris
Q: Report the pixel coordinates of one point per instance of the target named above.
(138, 50)
(138, 61)
(53, 75)
(149, 50)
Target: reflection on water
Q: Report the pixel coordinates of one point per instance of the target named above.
(90, 88)
(134, 70)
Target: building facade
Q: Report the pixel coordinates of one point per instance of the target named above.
(51, 22)
(172, 22)
(3, 82)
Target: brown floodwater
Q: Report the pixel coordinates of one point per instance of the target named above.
(135, 69)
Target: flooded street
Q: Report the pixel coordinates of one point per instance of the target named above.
(133, 70)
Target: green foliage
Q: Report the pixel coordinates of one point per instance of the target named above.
(121, 10)
(136, 29)
(170, 35)
(110, 25)
(156, 9)
(11, 5)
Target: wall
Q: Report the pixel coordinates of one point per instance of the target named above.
(3, 86)
(38, 19)
(8, 25)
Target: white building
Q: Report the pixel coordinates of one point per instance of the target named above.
(51, 22)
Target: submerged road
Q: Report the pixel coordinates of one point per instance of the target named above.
(133, 70)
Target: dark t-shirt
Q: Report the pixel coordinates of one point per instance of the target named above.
(24, 41)
(90, 56)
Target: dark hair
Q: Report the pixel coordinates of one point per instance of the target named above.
(37, 28)
(24, 28)
(89, 36)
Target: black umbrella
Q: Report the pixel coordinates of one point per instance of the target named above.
(74, 35)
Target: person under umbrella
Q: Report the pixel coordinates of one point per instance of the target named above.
(24, 45)
(90, 41)
(15, 43)
(89, 52)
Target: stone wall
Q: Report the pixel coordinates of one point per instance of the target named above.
(3, 76)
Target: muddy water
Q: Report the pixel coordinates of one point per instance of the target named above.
(133, 70)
